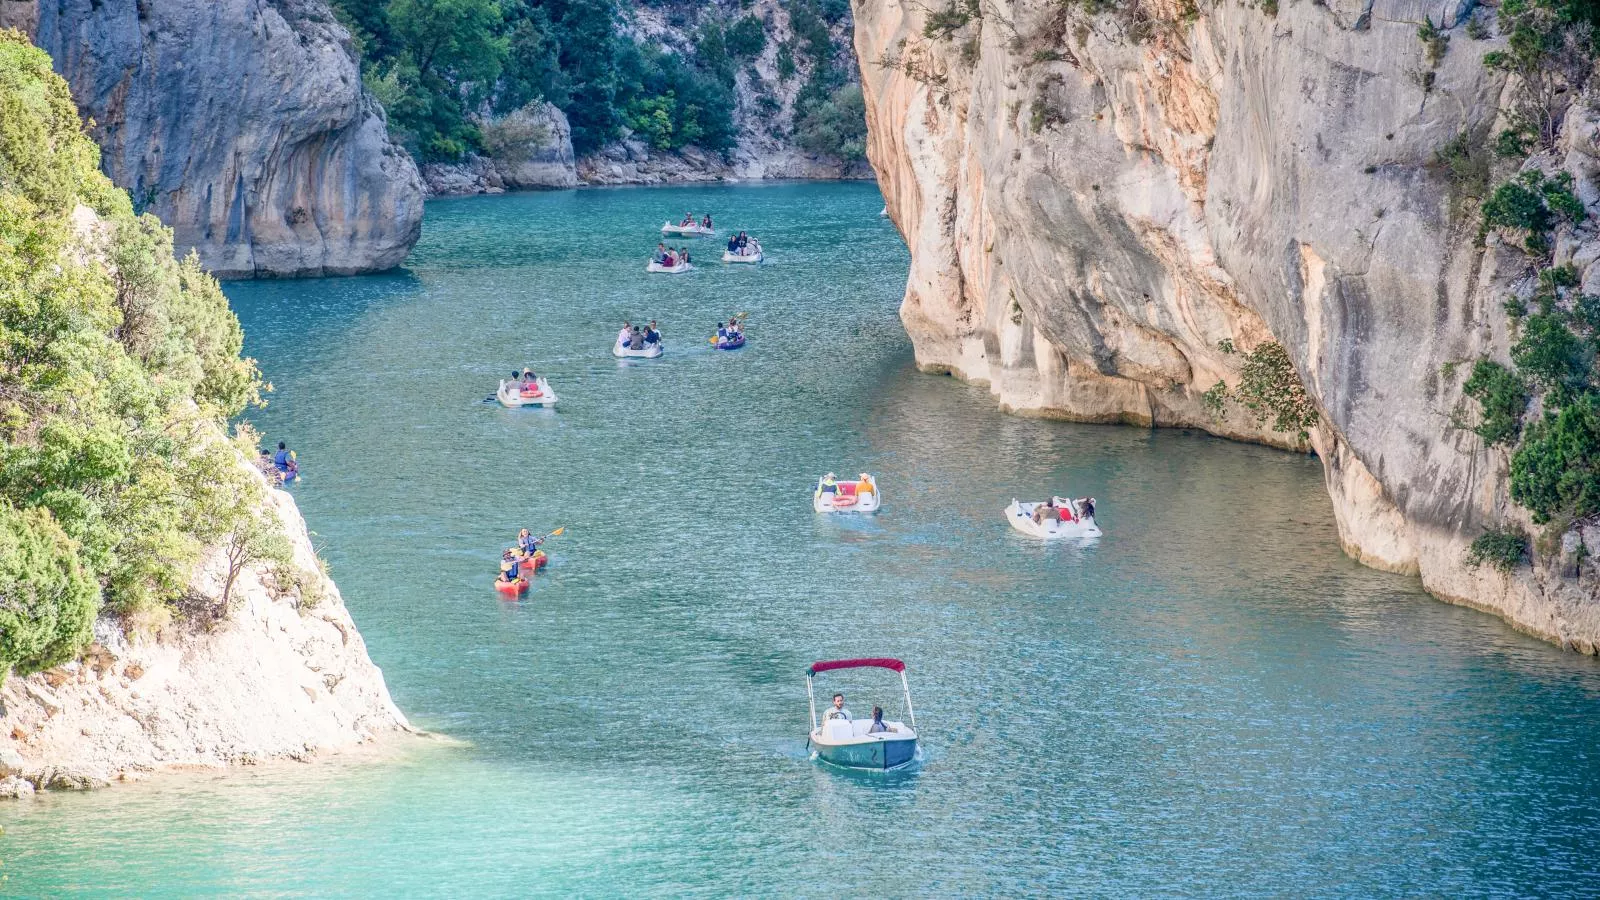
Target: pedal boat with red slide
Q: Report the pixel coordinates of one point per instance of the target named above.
(514, 394)
(847, 743)
(1059, 518)
(834, 495)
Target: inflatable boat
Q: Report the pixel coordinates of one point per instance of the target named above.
(1060, 518)
(692, 230)
(657, 268)
(753, 258)
(650, 351)
(733, 343)
(851, 743)
(513, 394)
(833, 495)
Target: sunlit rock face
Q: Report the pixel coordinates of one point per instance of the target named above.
(1098, 209)
(242, 124)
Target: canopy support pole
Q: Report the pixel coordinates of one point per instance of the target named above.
(909, 711)
(811, 702)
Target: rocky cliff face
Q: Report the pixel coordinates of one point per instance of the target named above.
(283, 674)
(242, 124)
(1100, 207)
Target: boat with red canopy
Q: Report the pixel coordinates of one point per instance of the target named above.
(858, 743)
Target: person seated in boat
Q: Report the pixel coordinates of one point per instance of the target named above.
(507, 577)
(830, 483)
(683, 255)
(622, 336)
(744, 241)
(636, 339)
(1043, 511)
(837, 710)
(865, 484)
(527, 543)
(706, 223)
(733, 244)
(688, 220)
(651, 335)
(510, 565)
(877, 722)
(1087, 505)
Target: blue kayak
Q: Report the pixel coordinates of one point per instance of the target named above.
(734, 344)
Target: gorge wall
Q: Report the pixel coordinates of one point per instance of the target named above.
(242, 124)
(1101, 207)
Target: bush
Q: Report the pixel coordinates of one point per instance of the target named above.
(1534, 204)
(1465, 164)
(1502, 395)
(1503, 548)
(1549, 352)
(1270, 387)
(746, 38)
(47, 599)
(837, 126)
(1555, 473)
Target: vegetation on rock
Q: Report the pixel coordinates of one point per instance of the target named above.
(1270, 388)
(1503, 548)
(442, 67)
(119, 368)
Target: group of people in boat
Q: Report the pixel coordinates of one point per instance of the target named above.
(838, 711)
(830, 483)
(280, 465)
(635, 338)
(525, 380)
(730, 331)
(743, 244)
(1063, 510)
(671, 257)
(520, 559)
(689, 222)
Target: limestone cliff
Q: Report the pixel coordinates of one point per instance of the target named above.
(1101, 206)
(242, 124)
(284, 673)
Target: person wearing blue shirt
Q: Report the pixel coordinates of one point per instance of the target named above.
(281, 459)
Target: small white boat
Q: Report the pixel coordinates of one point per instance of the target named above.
(852, 743)
(678, 269)
(884, 214)
(1059, 518)
(515, 394)
(650, 351)
(833, 495)
(757, 257)
(693, 230)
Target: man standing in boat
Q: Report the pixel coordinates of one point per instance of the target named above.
(837, 711)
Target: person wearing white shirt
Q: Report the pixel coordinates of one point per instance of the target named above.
(837, 710)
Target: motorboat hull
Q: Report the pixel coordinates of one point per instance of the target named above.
(651, 351)
(687, 230)
(881, 751)
(656, 268)
(754, 259)
(1020, 515)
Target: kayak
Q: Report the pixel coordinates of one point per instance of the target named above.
(1067, 519)
(755, 258)
(694, 230)
(511, 588)
(514, 394)
(859, 495)
(725, 344)
(650, 351)
(658, 269)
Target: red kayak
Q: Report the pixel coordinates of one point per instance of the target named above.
(511, 588)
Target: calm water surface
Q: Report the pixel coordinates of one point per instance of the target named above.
(1212, 699)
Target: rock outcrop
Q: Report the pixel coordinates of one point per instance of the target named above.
(1100, 209)
(283, 674)
(242, 124)
(532, 151)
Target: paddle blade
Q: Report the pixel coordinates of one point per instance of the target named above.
(557, 532)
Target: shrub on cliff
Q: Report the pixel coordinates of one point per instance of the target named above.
(1502, 395)
(1555, 472)
(119, 367)
(47, 600)
(836, 126)
(1503, 548)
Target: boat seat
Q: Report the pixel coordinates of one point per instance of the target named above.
(839, 730)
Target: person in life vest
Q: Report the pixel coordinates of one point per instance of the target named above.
(280, 459)
(510, 566)
(867, 486)
(830, 483)
(527, 543)
(722, 332)
(651, 335)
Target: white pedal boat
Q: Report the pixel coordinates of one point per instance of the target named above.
(859, 495)
(650, 351)
(849, 743)
(753, 258)
(678, 269)
(513, 394)
(695, 230)
(1067, 519)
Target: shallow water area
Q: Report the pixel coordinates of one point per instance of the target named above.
(1211, 698)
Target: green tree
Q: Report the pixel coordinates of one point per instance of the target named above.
(47, 599)
(1555, 473)
(837, 126)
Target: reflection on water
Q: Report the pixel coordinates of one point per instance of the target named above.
(1210, 699)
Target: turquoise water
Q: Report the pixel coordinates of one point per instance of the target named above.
(1212, 699)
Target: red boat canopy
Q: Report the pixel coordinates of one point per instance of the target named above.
(881, 662)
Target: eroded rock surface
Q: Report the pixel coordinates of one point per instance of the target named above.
(1097, 207)
(242, 124)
